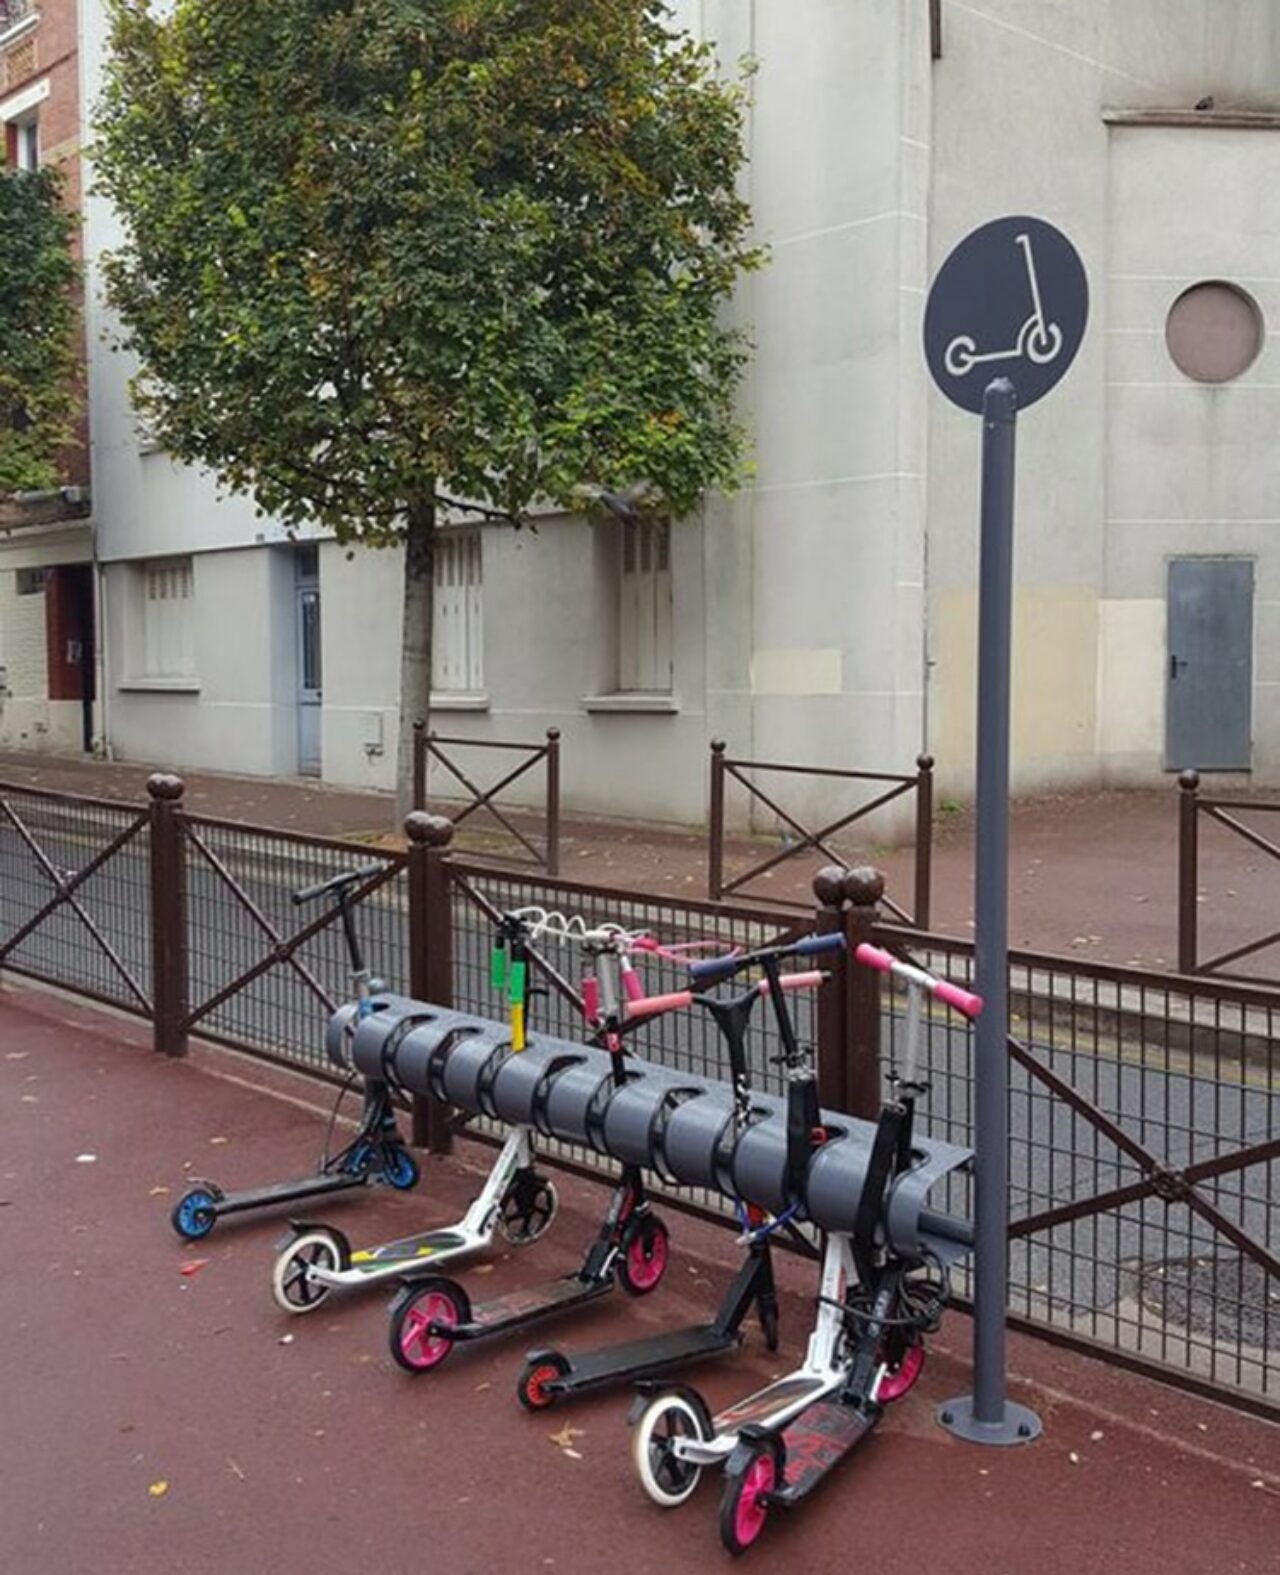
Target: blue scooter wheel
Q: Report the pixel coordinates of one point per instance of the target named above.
(193, 1216)
(400, 1169)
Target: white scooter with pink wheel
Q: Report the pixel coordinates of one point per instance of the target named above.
(875, 1304)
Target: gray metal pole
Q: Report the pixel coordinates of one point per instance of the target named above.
(987, 1416)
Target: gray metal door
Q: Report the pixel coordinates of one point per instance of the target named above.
(1209, 688)
(309, 690)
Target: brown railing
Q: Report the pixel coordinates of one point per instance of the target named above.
(896, 786)
(1144, 1109)
(542, 854)
(1192, 808)
(13, 11)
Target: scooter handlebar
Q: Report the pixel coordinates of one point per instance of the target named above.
(715, 968)
(336, 883)
(953, 994)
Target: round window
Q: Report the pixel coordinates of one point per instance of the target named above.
(1214, 331)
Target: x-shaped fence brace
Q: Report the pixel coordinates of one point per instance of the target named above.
(814, 839)
(1216, 812)
(1172, 1186)
(65, 887)
(484, 798)
(556, 979)
(283, 950)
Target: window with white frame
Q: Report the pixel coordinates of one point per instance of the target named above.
(644, 608)
(168, 619)
(27, 143)
(457, 645)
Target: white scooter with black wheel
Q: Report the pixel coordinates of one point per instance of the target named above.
(874, 1307)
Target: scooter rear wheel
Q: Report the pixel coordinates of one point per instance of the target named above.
(743, 1505)
(193, 1215)
(666, 1478)
(400, 1169)
(531, 1385)
(291, 1283)
(420, 1314)
(642, 1260)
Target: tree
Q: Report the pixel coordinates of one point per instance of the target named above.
(38, 393)
(386, 255)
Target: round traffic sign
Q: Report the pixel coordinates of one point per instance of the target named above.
(1010, 301)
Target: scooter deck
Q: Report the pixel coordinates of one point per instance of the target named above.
(818, 1439)
(633, 1359)
(524, 1306)
(410, 1252)
(798, 1389)
(286, 1192)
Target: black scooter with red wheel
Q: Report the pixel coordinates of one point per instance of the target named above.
(432, 1314)
(550, 1376)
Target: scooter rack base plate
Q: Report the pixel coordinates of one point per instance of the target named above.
(817, 1440)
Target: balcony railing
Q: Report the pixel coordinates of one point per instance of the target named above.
(14, 11)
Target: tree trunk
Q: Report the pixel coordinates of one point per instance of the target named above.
(415, 644)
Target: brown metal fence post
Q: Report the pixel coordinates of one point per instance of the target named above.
(863, 888)
(168, 915)
(924, 841)
(1188, 870)
(419, 766)
(553, 801)
(831, 1015)
(430, 951)
(715, 835)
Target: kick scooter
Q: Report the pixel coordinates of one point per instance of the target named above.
(429, 1316)
(550, 1375)
(866, 1350)
(375, 1154)
(315, 1259)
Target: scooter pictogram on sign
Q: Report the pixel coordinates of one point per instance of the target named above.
(1038, 340)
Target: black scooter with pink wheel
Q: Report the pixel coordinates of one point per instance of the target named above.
(433, 1313)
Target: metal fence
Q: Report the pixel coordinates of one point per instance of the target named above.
(884, 788)
(1144, 1109)
(538, 851)
(1197, 812)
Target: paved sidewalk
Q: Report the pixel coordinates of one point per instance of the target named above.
(1091, 874)
(176, 1424)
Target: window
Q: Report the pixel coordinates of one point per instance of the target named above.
(26, 147)
(168, 634)
(1214, 331)
(644, 608)
(31, 582)
(457, 645)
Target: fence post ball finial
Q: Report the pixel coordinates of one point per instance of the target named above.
(864, 886)
(165, 786)
(1189, 781)
(434, 831)
(828, 885)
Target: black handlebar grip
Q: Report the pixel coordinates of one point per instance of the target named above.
(336, 883)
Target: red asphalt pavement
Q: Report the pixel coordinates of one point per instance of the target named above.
(160, 1423)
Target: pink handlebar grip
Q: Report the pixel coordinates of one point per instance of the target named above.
(963, 1000)
(795, 981)
(875, 957)
(650, 1005)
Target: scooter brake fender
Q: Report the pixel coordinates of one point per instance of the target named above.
(647, 1389)
(749, 1440)
(341, 1240)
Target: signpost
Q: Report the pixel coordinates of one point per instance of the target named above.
(1003, 322)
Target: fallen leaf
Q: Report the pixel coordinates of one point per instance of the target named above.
(234, 1468)
(30, 1099)
(17, 1055)
(1096, 1435)
(286, 1339)
(219, 1140)
(158, 1192)
(572, 1454)
(193, 1266)
(483, 1268)
(1073, 1458)
(86, 1159)
(565, 1437)
(158, 1489)
(480, 1388)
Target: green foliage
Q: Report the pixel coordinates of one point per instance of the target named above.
(37, 330)
(381, 252)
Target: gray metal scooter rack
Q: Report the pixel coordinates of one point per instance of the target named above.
(676, 1121)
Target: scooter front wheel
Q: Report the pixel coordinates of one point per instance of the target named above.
(421, 1316)
(527, 1208)
(665, 1477)
(531, 1386)
(642, 1260)
(292, 1285)
(400, 1169)
(744, 1506)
